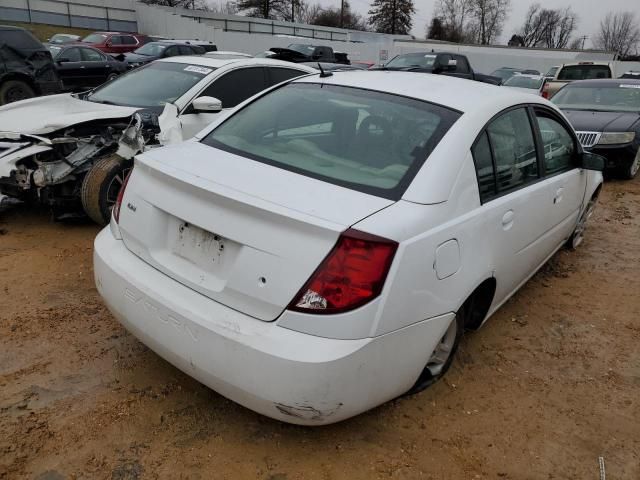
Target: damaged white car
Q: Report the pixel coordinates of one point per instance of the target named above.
(71, 152)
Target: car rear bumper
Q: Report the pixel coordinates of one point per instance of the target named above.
(280, 373)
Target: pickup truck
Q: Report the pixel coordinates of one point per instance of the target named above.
(451, 64)
(570, 72)
(301, 52)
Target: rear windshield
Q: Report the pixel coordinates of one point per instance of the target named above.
(413, 60)
(368, 141)
(19, 40)
(524, 82)
(584, 72)
(624, 97)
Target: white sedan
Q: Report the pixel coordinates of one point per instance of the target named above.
(322, 250)
(71, 151)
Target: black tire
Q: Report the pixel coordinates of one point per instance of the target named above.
(112, 76)
(101, 185)
(15, 90)
(629, 172)
(428, 377)
(577, 237)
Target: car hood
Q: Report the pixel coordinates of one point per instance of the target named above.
(589, 121)
(47, 114)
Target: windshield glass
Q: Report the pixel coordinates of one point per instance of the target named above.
(584, 72)
(304, 49)
(95, 38)
(413, 60)
(552, 72)
(152, 49)
(521, 81)
(54, 50)
(504, 73)
(62, 38)
(368, 141)
(151, 86)
(612, 98)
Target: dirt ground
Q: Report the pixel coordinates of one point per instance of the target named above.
(550, 384)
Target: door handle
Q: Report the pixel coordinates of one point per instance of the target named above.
(558, 197)
(507, 220)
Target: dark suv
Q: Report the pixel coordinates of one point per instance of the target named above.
(26, 67)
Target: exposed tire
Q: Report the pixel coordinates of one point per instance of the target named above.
(112, 76)
(630, 171)
(444, 353)
(577, 237)
(101, 185)
(15, 90)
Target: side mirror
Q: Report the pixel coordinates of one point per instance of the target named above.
(109, 43)
(316, 56)
(207, 105)
(591, 161)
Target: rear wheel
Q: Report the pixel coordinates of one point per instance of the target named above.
(101, 185)
(577, 237)
(630, 171)
(14, 90)
(442, 356)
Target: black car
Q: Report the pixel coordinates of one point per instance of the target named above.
(26, 66)
(606, 116)
(154, 50)
(82, 67)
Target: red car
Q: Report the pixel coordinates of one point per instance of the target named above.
(115, 42)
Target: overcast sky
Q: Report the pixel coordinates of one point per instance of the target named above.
(589, 11)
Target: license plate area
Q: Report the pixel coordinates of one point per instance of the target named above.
(200, 247)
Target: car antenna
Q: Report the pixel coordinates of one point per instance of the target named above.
(323, 74)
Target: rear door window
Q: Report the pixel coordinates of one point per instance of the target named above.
(89, 55)
(365, 140)
(514, 150)
(485, 171)
(279, 75)
(185, 50)
(128, 40)
(236, 86)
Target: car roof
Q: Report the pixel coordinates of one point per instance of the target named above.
(10, 27)
(205, 61)
(456, 93)
(608, 82)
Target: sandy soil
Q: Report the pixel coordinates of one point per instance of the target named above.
(550, 384)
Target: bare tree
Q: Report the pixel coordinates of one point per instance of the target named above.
(548, 28)
(453, 16)
(487, 19)
(226, 7)
(619, 33)
(307, 12)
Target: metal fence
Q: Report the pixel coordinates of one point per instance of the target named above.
(118, 15)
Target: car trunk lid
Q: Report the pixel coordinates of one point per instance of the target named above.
(243, 233)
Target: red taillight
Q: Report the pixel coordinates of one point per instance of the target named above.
(351, 275)
(118, 204)
(545, 90)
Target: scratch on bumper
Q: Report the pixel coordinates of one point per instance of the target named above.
(307, 412)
